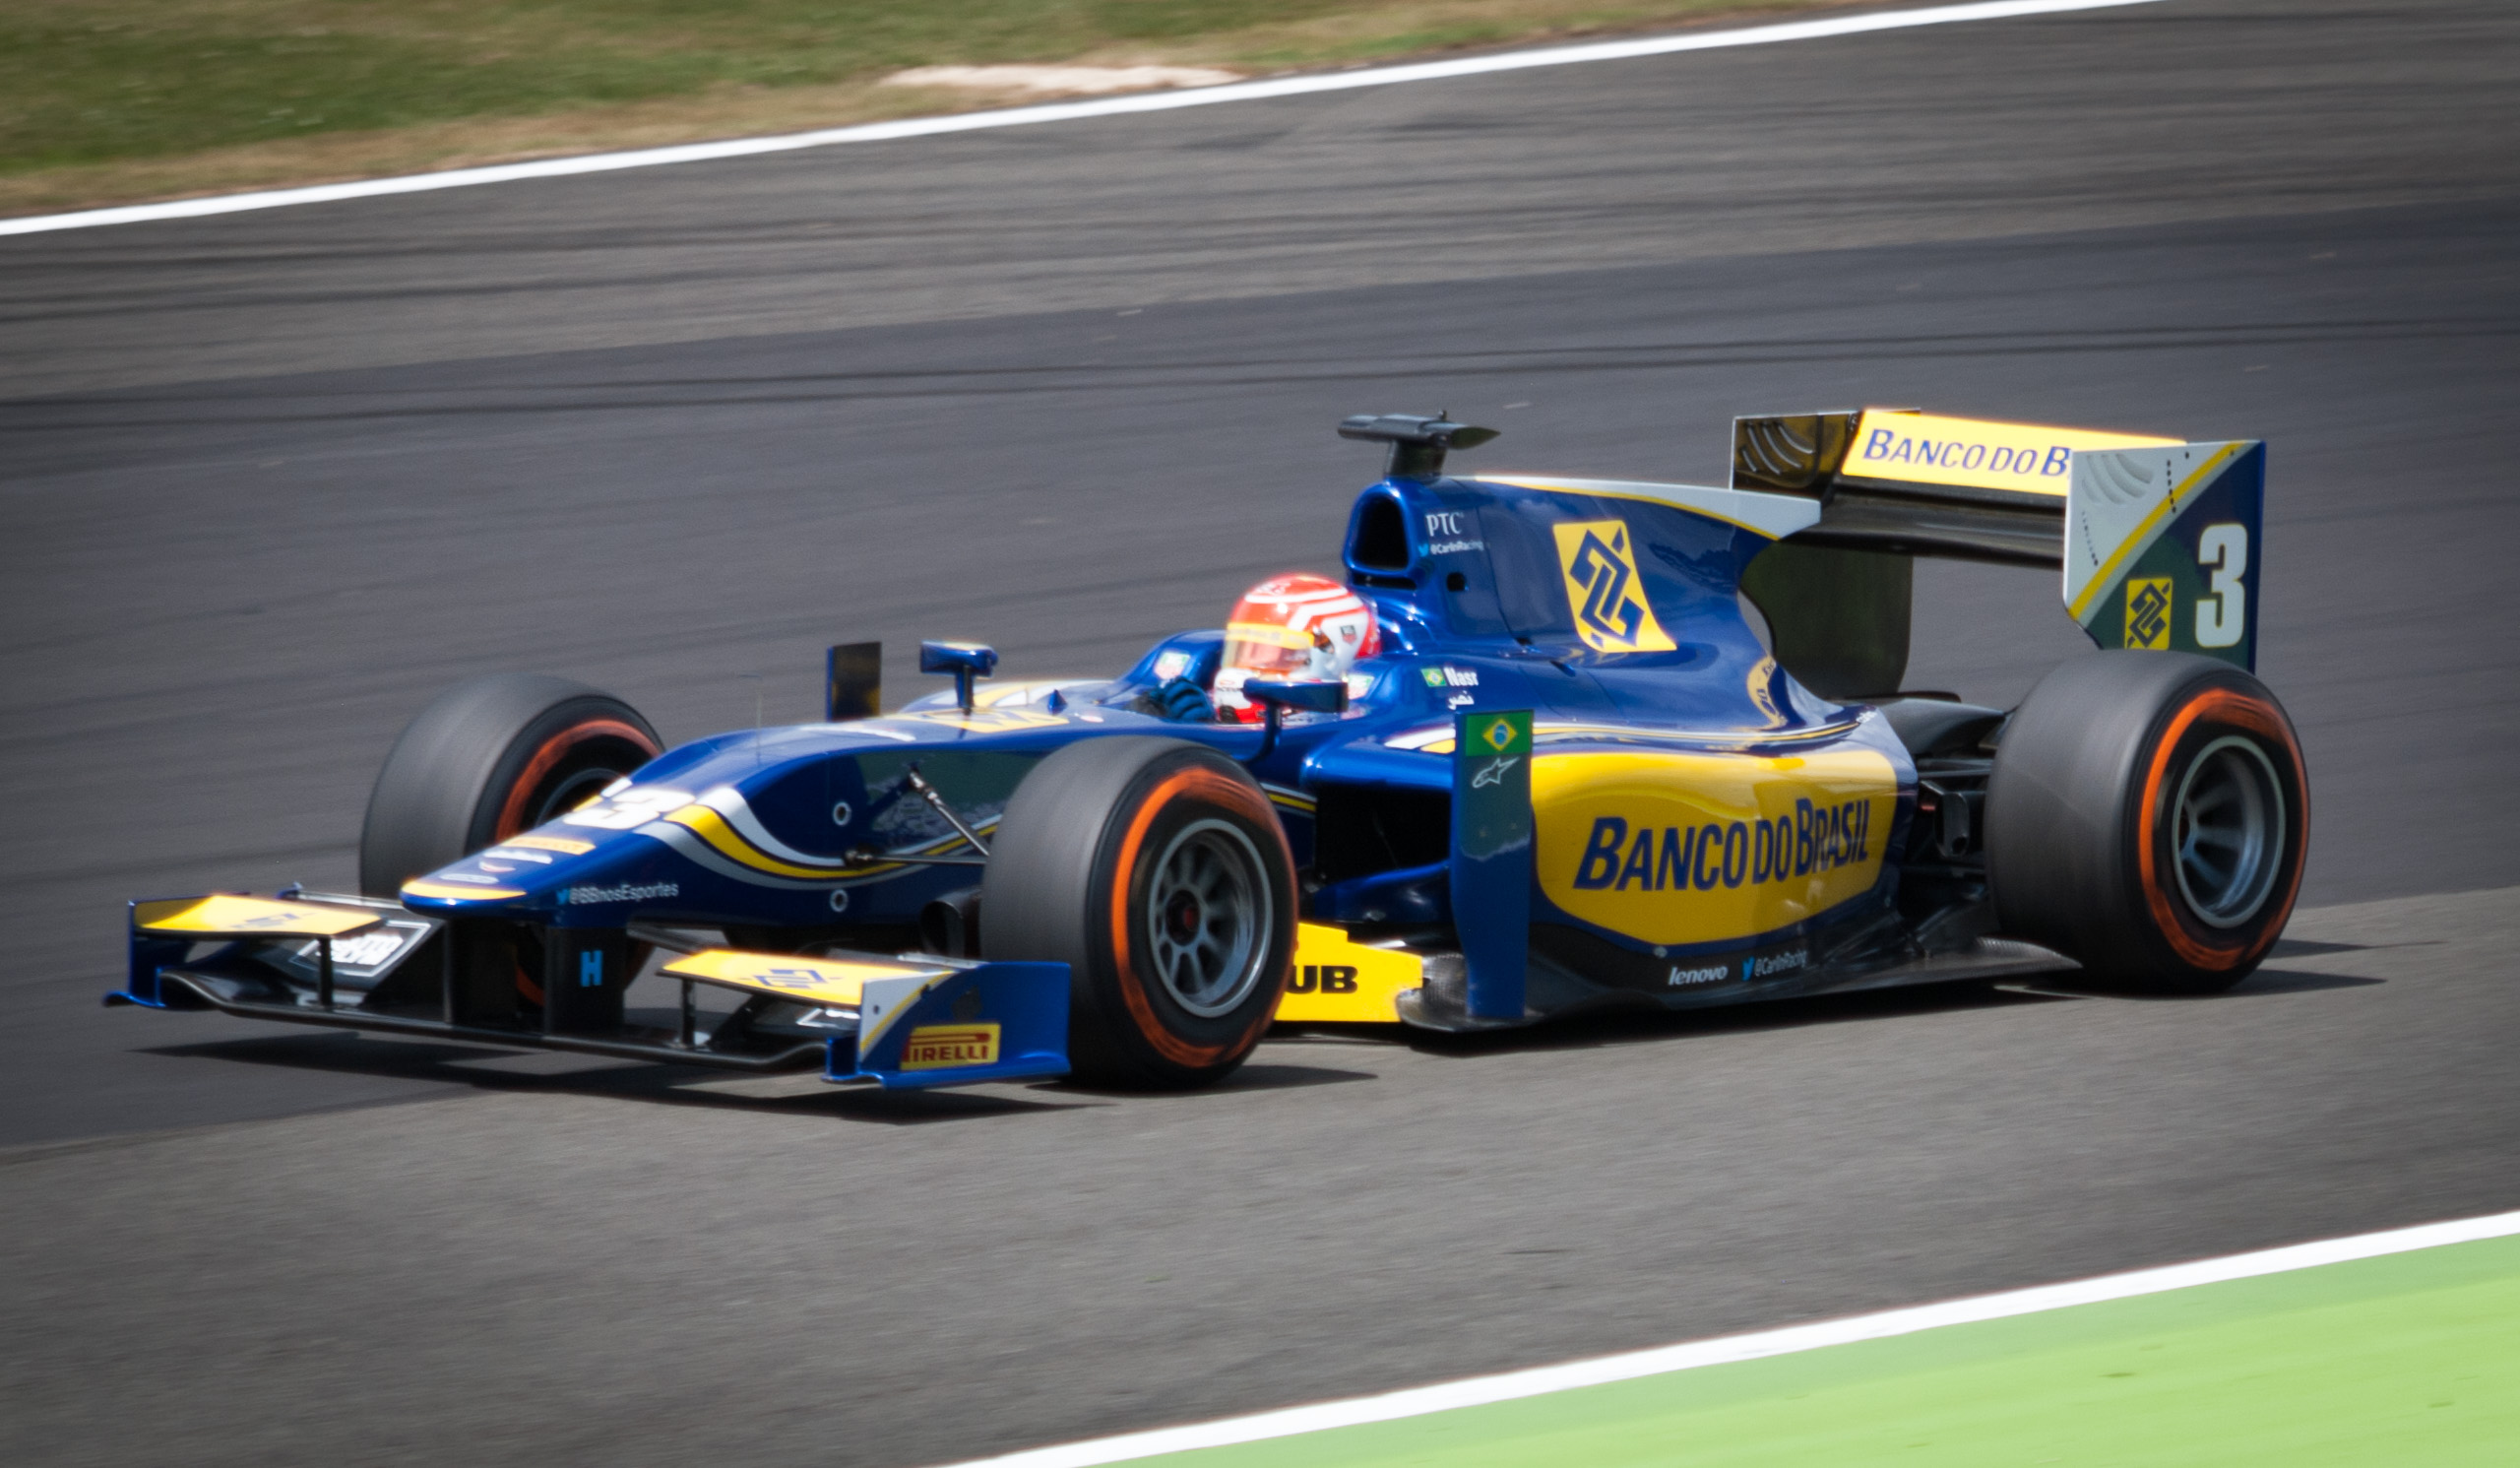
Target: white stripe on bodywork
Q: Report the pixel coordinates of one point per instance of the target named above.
(729, 801)
(687, 843)
(883, 1002)
(693, 846)
(1774, 516)
(1721, 741)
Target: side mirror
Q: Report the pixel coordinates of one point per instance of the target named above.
(853, 681)
(1311, 697)
(965, 661)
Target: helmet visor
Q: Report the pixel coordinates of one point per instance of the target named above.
(1259, 647)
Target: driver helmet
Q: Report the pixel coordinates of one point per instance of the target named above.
(1297, 628)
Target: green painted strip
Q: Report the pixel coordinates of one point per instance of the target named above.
(2408, 1359)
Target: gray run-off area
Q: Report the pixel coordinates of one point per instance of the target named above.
(272, 479)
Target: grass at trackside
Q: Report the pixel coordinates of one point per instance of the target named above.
(2411, 1358)
(124, 99)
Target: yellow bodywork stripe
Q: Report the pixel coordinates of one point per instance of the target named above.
(260, 917)
(711, 827)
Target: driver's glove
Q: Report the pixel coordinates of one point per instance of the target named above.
(1183, 702)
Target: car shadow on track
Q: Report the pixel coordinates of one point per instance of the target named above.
(1255, 1075)
(1646, 1027)
(790, 1093)
(2267, 982)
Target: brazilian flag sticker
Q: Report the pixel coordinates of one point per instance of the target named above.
(1492, 783)
(1494, 733)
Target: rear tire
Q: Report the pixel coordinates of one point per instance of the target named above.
(1156, 869)
(490, 758)
(2147, 818)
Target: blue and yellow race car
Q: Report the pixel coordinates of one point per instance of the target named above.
(1610, 745)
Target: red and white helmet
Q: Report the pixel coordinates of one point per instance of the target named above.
(1297, 627)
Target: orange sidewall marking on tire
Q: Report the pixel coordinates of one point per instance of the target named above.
(2243, 711)
(1231, 794)
(554, 750)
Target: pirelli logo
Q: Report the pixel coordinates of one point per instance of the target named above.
(950, 1047)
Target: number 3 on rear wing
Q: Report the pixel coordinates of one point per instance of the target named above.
(2162, 548)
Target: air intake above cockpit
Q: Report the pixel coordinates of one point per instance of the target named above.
(1417, 443)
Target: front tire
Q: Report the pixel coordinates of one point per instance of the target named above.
(2147, 818)
(489, 758)
(1156, 869)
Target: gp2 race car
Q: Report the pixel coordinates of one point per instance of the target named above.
(1622, 744)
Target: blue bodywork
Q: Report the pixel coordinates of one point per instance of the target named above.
(1479, 610)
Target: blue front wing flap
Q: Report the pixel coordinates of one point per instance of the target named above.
(992, 1022)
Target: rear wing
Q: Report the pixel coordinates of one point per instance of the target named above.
(2157, 539)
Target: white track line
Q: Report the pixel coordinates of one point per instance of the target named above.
(1481, 1390)
(1153, 102)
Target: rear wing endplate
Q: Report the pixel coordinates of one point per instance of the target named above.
(2158, 540)
(2162, 547)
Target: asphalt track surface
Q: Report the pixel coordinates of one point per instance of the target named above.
(272, 479)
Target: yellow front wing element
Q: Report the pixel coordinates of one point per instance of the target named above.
(1921, 448)
(1338, 981)
(784, 976)
(1682, 848)
(226, 916)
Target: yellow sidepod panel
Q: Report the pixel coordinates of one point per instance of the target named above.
(1683, 848)
(1336, 981)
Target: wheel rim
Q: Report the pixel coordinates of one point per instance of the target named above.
(1207, 916)
(2227, 831)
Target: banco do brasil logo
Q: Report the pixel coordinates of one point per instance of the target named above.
(1604, 590)
(2148, 613)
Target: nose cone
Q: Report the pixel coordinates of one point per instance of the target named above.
(523, 872)
(535, 875)
(590, 858)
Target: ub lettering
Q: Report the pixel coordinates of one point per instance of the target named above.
(1323, 978)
